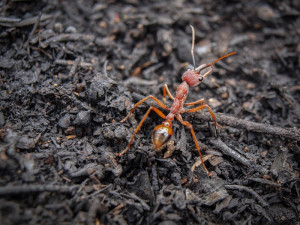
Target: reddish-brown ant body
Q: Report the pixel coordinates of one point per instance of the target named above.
(163, 132)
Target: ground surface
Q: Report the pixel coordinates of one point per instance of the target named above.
(61, 105)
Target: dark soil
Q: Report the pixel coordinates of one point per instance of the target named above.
(70, 71)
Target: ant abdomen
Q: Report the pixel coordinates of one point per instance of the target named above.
(162, 135)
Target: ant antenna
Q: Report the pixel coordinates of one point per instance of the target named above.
(193, 45)
(225, 56)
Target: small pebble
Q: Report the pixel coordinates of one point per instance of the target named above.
(71, 29)
(250, 86)
(82, 118)
(65, 121)
(266, 13)
(224, 95)
(214, 103)
(58, 27)
(120, 133)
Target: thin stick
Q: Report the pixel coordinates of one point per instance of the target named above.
(193, 46)
(25, 22)
(92, 213)
(237, 156)
(249, 190)
(72, 62)
(9, 20)
(32, 31)
(74, 67)
(292, 133)
(264, 181)
(34, 188)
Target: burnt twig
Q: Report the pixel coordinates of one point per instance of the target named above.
(71, 63)
(9, 20)
(25, 22)
(237, 156)
(68, 37)
(250, 191)
(292, 133)
(92, 214)
(139, 81)
(264, 181)
(36, 24)
(74, 67)
(23, 189)
(135, 197)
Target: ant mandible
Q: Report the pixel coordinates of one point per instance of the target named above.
(163, 132)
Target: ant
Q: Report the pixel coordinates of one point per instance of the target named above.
(163, 132)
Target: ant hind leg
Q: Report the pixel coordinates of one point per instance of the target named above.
(210, 111)
(140, 125)
(141, 102)
(188, 125)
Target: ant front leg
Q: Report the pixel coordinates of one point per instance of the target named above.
(140, 125)
(188, 125)
(166, 90)
(141, 102)
(210, 111)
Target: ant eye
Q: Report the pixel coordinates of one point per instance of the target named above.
(200, 78)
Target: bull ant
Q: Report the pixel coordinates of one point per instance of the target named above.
(163, 132)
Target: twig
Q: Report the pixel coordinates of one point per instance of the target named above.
(74, 67)
(155, 184)
(237, 156)
(292, 133)
(25, 22)
(135, 197)
(54, 142)
(9, 20)
(92, 214)
(68, 37)
(264, 181)
(43, 51)
(139, 81)
(37, 23)
(23, 189)
(249, 190)
(199, 162)
(72, 62)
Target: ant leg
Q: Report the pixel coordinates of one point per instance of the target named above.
(166, 90)
(210, 111)
(188, 125)
(140, 125)
(142, 101)
(196, 102)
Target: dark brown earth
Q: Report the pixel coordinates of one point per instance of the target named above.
(70, 71)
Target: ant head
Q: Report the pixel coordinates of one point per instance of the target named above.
(162, 135)
(194, 77)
